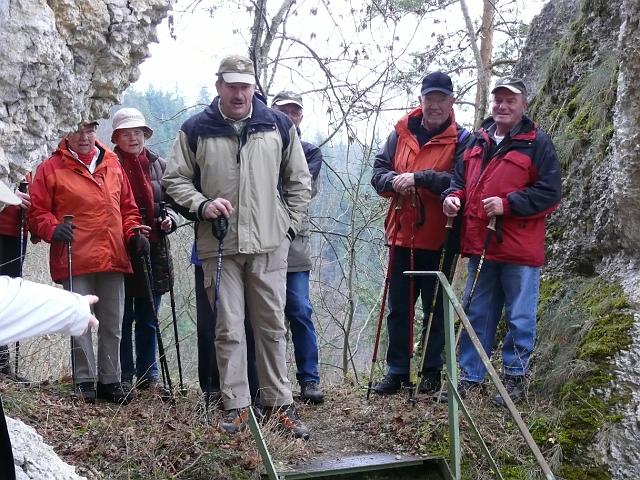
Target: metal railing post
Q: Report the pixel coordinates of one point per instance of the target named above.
(452, 375)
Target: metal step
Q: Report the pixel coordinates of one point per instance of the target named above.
(374, 466)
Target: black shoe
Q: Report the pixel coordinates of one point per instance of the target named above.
(127, 384)
(391, 383)
(85, 391)
(113, 392)
(235, 420)
(311, 392)
(516, 388)
(465, 388)
(431, 382)
(288, 421)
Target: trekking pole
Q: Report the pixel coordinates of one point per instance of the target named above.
(412, 284)
(383, 303)
(21, 188)
(163, 215)
(219, 228)
(68, 219)
(432, 308)
(491, 229)
(146, 270)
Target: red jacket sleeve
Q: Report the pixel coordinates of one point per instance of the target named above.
(40, 218)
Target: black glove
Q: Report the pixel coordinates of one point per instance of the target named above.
(63, 232)
(140, 245)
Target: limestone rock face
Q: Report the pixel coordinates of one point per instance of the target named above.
(64, 62)
(35, 459)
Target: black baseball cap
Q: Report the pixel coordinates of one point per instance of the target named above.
(437, 82)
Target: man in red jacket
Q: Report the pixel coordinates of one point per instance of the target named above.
(510, 172)
(413, 168)
(10, 260)
(84, 179)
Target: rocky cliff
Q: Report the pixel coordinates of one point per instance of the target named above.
(582, 63)
(63, 62)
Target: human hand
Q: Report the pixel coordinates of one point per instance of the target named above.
(63, 233)
(140, 244)
(493, 206)
(165, 225)
(93, 321)
(403, 183)
(26, 199)
(451, 206)
(217, 207)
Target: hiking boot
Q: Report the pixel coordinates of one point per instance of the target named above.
(391, 383)
(85, 391)
(127, 384)
(431, 382)
(235, 420)
(516, 388)
(113, 392)
(288, 421)
(465, 388)
(311, 392)
(147, 383)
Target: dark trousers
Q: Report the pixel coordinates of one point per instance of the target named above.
(208, 374)
(7, 468)
(399, 304)
(9, 265)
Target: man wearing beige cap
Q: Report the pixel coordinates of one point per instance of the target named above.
(298, 309)
(511, 173)
(230, 160)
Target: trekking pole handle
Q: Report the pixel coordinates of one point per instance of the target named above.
(23, 187)
(219, 227)
(163, 210)
(492, 223)
(68, 219)
(449, 224)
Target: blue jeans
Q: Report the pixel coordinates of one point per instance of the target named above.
(514, 287)
(298, 312)
(399, 303)
(138, 310)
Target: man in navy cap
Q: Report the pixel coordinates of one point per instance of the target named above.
(412, 169)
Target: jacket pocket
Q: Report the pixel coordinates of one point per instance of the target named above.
(277, 259)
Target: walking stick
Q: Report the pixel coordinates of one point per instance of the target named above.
(68, 219)
(21, 188)
(387, 280)
(432, 308)
(146, 270)
(491, 229)
(163, 215)
(219, 228)
(412, 284)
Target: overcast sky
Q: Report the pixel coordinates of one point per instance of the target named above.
(189, 62)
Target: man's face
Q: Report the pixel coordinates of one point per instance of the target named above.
(235, 98)
(291, 110)
(84, 140)
(507, 108)
(436, 108)
(130, 140)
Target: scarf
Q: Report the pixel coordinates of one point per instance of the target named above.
(137, 170)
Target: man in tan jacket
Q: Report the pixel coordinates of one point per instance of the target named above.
(229, 160)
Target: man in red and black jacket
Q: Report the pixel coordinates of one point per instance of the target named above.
(10, 258)
(413, 169)
(510, 172)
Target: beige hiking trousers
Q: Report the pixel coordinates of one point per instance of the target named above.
(260, 280)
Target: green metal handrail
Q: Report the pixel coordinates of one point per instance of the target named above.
(451, 305)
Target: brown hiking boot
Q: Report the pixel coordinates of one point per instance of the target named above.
(235, 420)
(288, 421)
(312, 393)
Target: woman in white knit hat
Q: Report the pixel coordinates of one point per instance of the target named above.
(144, 169)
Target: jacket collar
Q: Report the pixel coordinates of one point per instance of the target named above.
(525, 129)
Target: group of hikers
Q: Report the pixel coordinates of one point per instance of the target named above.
(239, 170)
